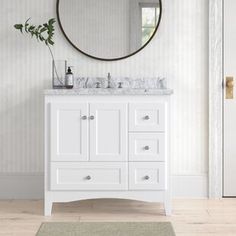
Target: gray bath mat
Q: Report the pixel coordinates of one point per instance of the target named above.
(106, 229)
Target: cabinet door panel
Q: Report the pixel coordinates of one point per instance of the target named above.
(69, 132)
(108, 132)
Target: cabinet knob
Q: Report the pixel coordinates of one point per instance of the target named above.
(146, 117)
(146, 177)
(91, 117)
(84, 117)
(88, 177)
(146, 148)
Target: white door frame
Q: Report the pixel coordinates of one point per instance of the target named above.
(215, 98)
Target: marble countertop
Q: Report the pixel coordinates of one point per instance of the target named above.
(112, 91)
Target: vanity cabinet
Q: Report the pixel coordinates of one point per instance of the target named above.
(107, 146)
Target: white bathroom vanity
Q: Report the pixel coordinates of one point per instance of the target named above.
(107, 143)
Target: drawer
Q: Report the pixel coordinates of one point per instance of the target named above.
(147, 147)
(147, 116)
(88, 176)
(147, 176)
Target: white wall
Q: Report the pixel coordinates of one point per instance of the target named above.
(179, 51)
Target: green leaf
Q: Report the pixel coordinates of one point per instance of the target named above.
(43, 30)
(51, 21)
(50, 41)
(41, 38)
(19, 27)
(50, 28)
(32, 27)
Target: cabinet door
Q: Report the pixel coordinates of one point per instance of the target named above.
(108, 131)
(69, 132)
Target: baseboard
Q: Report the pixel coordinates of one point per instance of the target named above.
(190, 186)
(30, 186)
(21, 186)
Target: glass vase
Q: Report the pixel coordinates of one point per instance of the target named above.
(58, 73)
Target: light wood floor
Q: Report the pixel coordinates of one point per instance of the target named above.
(190, 217)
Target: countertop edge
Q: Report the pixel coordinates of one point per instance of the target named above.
(105, 92)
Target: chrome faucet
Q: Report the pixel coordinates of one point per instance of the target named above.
(86, 83)
(109, 80)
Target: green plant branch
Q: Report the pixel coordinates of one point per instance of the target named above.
(43, 33)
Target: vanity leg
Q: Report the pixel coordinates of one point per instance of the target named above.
(167, 204)
(47, 207)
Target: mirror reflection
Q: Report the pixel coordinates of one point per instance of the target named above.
(109, 29)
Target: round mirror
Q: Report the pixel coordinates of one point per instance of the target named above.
(109, 29)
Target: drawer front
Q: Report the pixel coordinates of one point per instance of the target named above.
(147, 176)
(147, 116)
(88, 176)
(147, 147)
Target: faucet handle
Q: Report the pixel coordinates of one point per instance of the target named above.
(120, 85)
(109, 80)
(98, 85)
(162, 83)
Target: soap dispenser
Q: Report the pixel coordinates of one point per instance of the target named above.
(69, 78)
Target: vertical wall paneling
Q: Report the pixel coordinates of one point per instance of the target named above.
(177, 52)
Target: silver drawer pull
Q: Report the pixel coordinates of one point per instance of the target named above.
(146, 148)
(88, 177)
(84, 117)
(146, 118)
(91, 117)
(146, 177)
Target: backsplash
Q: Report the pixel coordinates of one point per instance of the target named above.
(124, 82)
